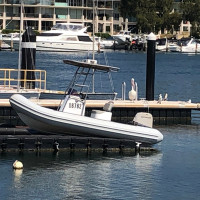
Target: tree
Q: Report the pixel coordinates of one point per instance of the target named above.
(163, 9)
(146, 15)
(126, 8)
(174, 21)
(151, 15)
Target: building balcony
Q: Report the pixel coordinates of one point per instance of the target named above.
(61, 4)
(47, 15)
(26, 15)
(12, 1)
(29, 2)
(61, 16)
(31, 15)
(9, 14)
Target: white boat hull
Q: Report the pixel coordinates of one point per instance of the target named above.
(161, 48)
(190, 46)
(65, 46)
(174, 48)
(190, 49)
(59, 46)
(51, 121)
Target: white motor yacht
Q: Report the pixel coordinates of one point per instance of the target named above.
(61, 37)
(123, 37)
(66, 37)
(186, 45)
(190, 46)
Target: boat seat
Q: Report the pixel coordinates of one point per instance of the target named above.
(98, 111)
(108, 106)
(104, 114)
(101, 114)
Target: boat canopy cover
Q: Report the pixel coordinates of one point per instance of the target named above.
(91, 66)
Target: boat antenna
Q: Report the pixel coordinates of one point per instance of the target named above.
(93, 29)
(20, 48)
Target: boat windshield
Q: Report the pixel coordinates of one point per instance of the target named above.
(161, 41)
(193, 42)
(71, 27)
(124, 32)
(183, 42)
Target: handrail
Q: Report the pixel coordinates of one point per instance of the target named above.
(8, 78)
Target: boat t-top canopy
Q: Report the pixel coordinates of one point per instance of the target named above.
(91, 66)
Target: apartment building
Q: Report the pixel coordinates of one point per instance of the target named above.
(43, 14)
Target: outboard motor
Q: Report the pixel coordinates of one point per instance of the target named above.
(143, 119)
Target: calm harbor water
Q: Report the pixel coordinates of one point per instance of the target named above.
(171, 173)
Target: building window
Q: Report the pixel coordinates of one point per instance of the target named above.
(107, 28)
(46, 25)
(116, 27)
(75, 14)
(185, 28)
(116, 5)
(61, 13)
(75, 2)
(116, 16)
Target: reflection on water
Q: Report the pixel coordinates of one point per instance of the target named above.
(48, 160)
(78, 175)
(145, 164)
(17, 173)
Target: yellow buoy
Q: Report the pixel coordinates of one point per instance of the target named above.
(17, 165)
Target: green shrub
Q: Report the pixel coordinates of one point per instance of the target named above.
(7, 31)
(102, 35)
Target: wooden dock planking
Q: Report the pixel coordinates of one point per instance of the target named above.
(117, 104)
(145, 104)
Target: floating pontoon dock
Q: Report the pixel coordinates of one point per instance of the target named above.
(27, 142)
(164, 112)
(13, 137)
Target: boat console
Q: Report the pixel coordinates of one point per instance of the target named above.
(74, 105)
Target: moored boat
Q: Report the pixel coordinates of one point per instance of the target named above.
(68, 37)
(186, 45)
(65, 37)
(123, 37)
(70, 119)
(165, 45)
(190, 46)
